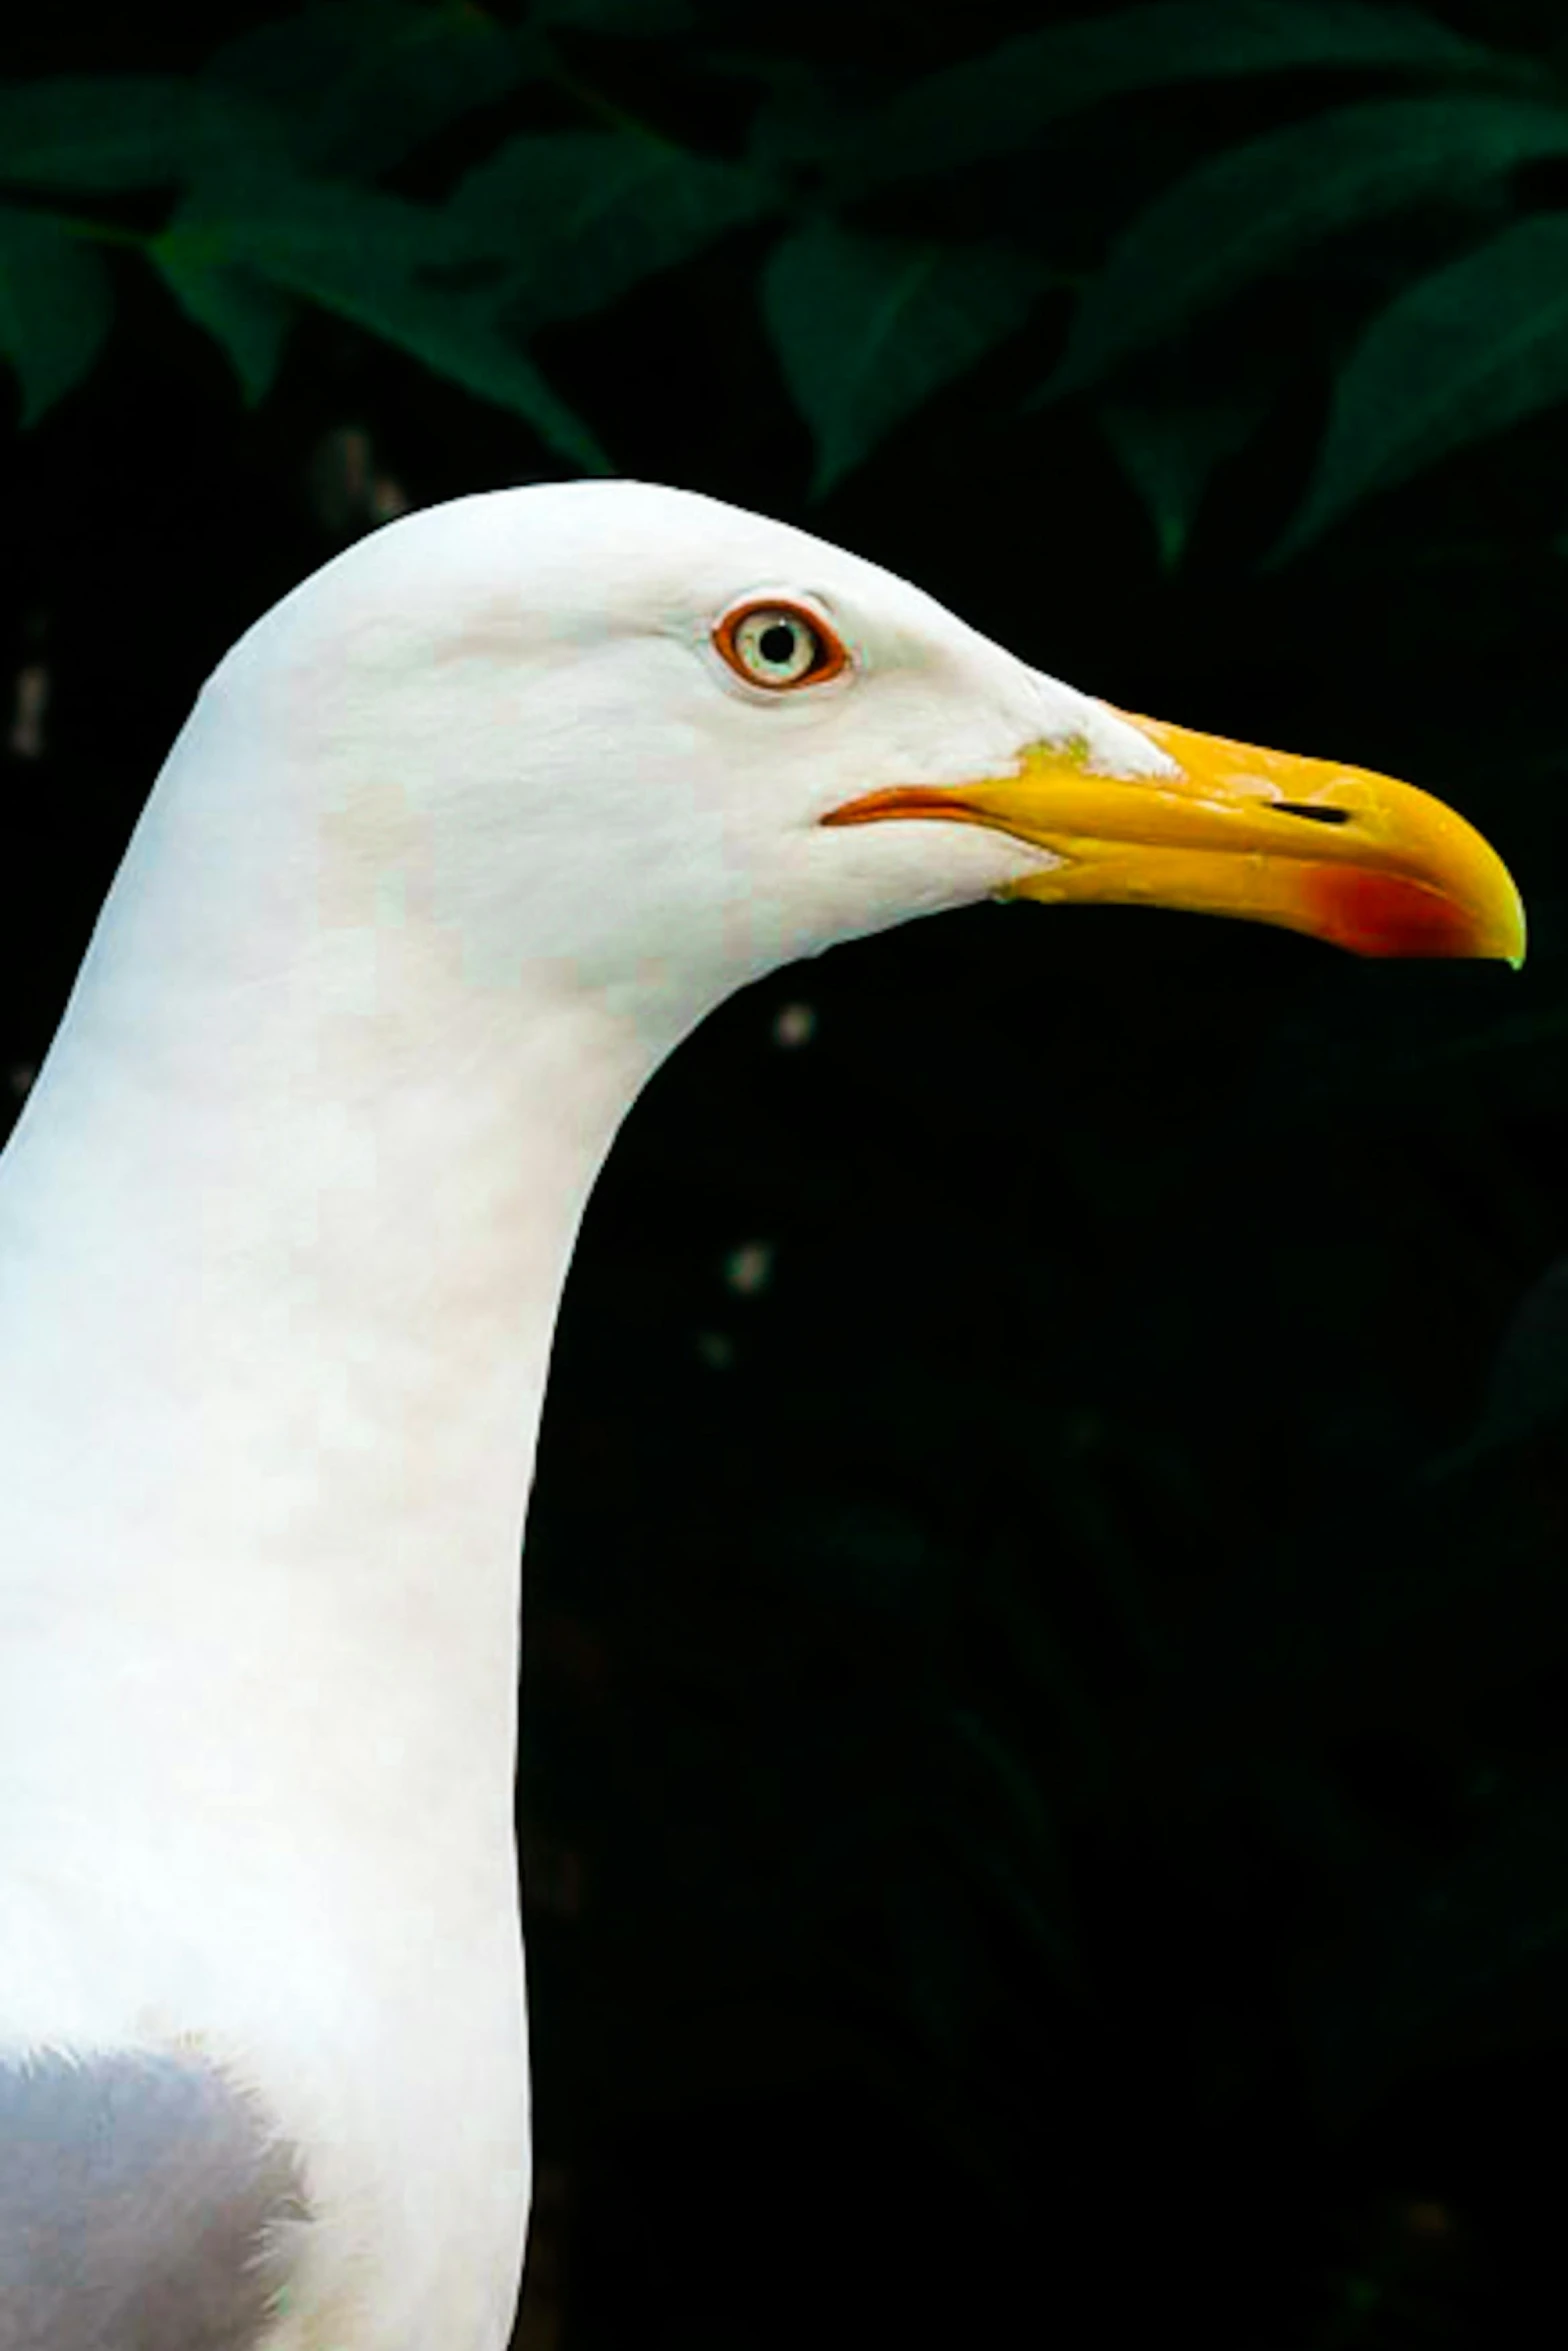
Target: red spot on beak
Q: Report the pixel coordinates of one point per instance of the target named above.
(1385, 914)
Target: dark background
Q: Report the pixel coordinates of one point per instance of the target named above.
(1045, 1795)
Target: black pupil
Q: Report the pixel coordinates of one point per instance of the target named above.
(777, 642)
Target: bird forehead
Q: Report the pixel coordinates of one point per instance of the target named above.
(615, 556)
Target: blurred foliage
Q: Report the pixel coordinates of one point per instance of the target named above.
(270, 169)
(1047, 1617)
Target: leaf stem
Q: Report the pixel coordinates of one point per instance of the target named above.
(102, 232)
(595, 102)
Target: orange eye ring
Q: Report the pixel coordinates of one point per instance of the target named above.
(805, 651)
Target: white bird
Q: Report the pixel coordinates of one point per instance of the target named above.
(458, 842)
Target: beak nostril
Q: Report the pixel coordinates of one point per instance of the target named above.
(1312, 812)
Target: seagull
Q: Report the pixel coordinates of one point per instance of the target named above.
(457, 844)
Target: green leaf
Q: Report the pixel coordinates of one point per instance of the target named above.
(579, 216)
(56, 307)
(248, 318)
(866, 328)
(121, 131)
(365, 256)
(995, 104)
(1463, 353)
(1170, 455)
(360, 84)
(293, 226)
(1238, 218)
(801, 121)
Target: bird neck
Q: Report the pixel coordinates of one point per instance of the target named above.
(283, 1233)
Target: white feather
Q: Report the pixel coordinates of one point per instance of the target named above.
(457, 844)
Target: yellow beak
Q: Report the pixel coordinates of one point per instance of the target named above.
(1355, 858)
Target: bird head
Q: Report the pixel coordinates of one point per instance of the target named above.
(649, 740)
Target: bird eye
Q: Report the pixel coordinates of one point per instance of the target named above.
(779, 645)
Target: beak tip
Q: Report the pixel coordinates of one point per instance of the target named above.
(1512, 932)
